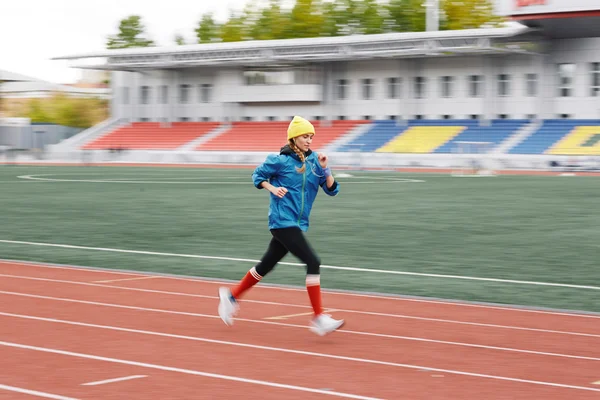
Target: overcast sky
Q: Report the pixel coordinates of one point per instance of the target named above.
(34, 31)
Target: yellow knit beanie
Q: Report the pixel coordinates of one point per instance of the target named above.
(298, 127)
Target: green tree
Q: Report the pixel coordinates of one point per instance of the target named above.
(315, 18)
(270, 22)
(179, 39)
(208, 29)
(60, 109)
(405, 16)
(306, 19)
(69, 112)
(356, 16)
(333, 19)
(339, 18)
(37, 112)
(468, 14)
(1, 102)
(131, 34)
(371, 17)
(232, 30)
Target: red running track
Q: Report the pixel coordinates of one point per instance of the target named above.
(63, 327)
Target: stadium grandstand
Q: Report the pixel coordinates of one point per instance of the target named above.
(528, 92)
(17, 86)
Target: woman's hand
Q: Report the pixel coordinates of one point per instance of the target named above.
(279, 191)
(323, 160)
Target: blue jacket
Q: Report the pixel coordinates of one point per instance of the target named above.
(280, 171)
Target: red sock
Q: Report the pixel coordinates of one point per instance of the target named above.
(313, 287)
(250, 279)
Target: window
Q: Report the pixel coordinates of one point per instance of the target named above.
(595, 86)
(367, 89)
(342, 89)
(531, 116)
(419, 83)
(184, 119)
(319, 118)
(503, 85)
(205, 119)
(392, 117)
(502, 116)
(531, 85)
(125, 95)
(271, 118)
(566, 75)
(475, 85)
(247, 119)
(419, 116)
(307, 76)
(255, 78)
(341, 117)
(164, 94)
(205, 92)
(394, 88)
(446, 86)
(446, 116)
(367, 117)
(299, 75)
(184, 94)
(475, 116)
(564, 116)
(145, 94)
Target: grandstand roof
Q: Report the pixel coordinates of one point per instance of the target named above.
(7, 76)
(21, 86)
(354, 47)
(27, 89)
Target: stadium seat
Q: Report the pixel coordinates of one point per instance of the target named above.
(151, 136)
(271, 136)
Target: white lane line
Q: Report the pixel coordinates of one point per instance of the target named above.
(292, 305)
(265, 383)
(124, 378)
(35, 264)
(398, 298)
(296, 315)
(185, 371)
(139, 278)
(37, 177)
(299, 352)
(35, 393)
(370, 334)
(367, 270)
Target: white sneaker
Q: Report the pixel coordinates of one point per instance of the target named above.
(228, 307)
(324, 324)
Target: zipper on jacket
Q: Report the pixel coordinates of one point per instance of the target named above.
(302, 204)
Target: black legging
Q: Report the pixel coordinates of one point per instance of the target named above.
(288, 240)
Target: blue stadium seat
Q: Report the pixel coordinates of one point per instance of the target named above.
(551, 131)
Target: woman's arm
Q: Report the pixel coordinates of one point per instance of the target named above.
(331, 186)
(277, 191)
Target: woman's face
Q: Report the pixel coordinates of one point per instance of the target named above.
(303, 142)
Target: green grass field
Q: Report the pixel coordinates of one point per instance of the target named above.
(523, 228)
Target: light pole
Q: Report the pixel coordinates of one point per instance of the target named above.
(432, 16)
